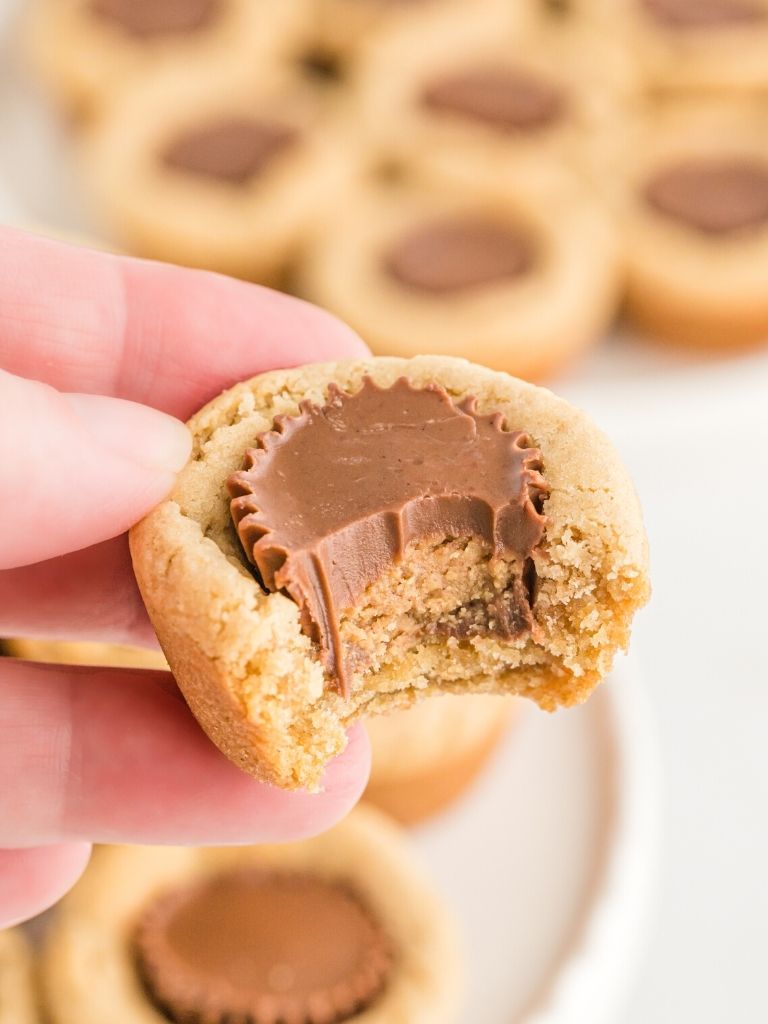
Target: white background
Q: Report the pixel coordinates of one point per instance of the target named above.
(696, 440)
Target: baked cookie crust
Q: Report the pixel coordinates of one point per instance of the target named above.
(18, 999)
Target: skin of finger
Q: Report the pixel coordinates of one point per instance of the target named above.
(165, 336)
(116, 756)
(85, 595)
(62, 489)
(32, 880)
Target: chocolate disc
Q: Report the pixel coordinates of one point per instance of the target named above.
(458, 255)
(271, 948)
(705, 13)
(507, 99)
(331, 498)
(715, 196)
(234, 150)
(146, 18)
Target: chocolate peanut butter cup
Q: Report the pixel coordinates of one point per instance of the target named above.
(703, 14)
(268, 947)
(351, 537)
(233, 150)
(345, 926)
(150, 18)
(330, 500)
(717, 196)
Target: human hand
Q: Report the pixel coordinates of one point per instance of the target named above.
(106, 755)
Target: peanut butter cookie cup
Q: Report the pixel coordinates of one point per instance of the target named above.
(425, 758)
(349, 537)
(346, 27)
(697, 226)
(85, 49)
(471, 105)
(341, 927)
(18, 1000)
(691, 44)
(503, 275)
(215, 170)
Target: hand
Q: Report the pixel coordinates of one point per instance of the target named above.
(105, 755)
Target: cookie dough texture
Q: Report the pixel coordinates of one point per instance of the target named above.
(89, 973)
(703, 290)
(63, 652)
(426, 757)
(530, 325)
(85, 57)
(250, 227)
(253, 678)
(18, 1002)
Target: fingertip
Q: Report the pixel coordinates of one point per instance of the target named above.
(32, 880)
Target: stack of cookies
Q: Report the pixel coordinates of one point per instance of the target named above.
(472, 177)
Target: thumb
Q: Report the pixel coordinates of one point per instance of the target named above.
(78, 469)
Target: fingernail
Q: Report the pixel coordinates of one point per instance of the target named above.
(151, 438)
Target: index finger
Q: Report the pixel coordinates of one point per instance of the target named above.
(165, 336)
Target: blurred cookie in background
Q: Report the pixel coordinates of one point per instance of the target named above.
(514, 281)
(344, 26)
(84, 50)
(717, 45)
(697, 225)
(216, 170)
(467, 103)
(65, 652)
(425, 757)
(343, 926)
(18, 1000)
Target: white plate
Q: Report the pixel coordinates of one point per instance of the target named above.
(550, 862)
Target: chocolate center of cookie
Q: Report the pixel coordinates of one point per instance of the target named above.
(233, 150)
(705, 13)
(145, 18)
(331, 498)
(513, 101)
(714, 196)
(458, 255)
(252, 945)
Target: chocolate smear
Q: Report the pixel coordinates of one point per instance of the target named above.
(684, 14)
(511, 100)
(147, 18)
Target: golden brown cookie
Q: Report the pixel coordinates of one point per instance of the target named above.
(522, 585)
(467, 104)
(86, 49)
(18, 1001)
(502, 275)
(63, 652)
(342, 926)
(697, 225)
(695, 45)
(425, 758)
(212, 169)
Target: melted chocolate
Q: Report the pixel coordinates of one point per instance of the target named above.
(233, 150)
(506, 99)
(147, 18)
(705, 13)
(451, 256)
(716, 196)
(266, 947)
(331, 499)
